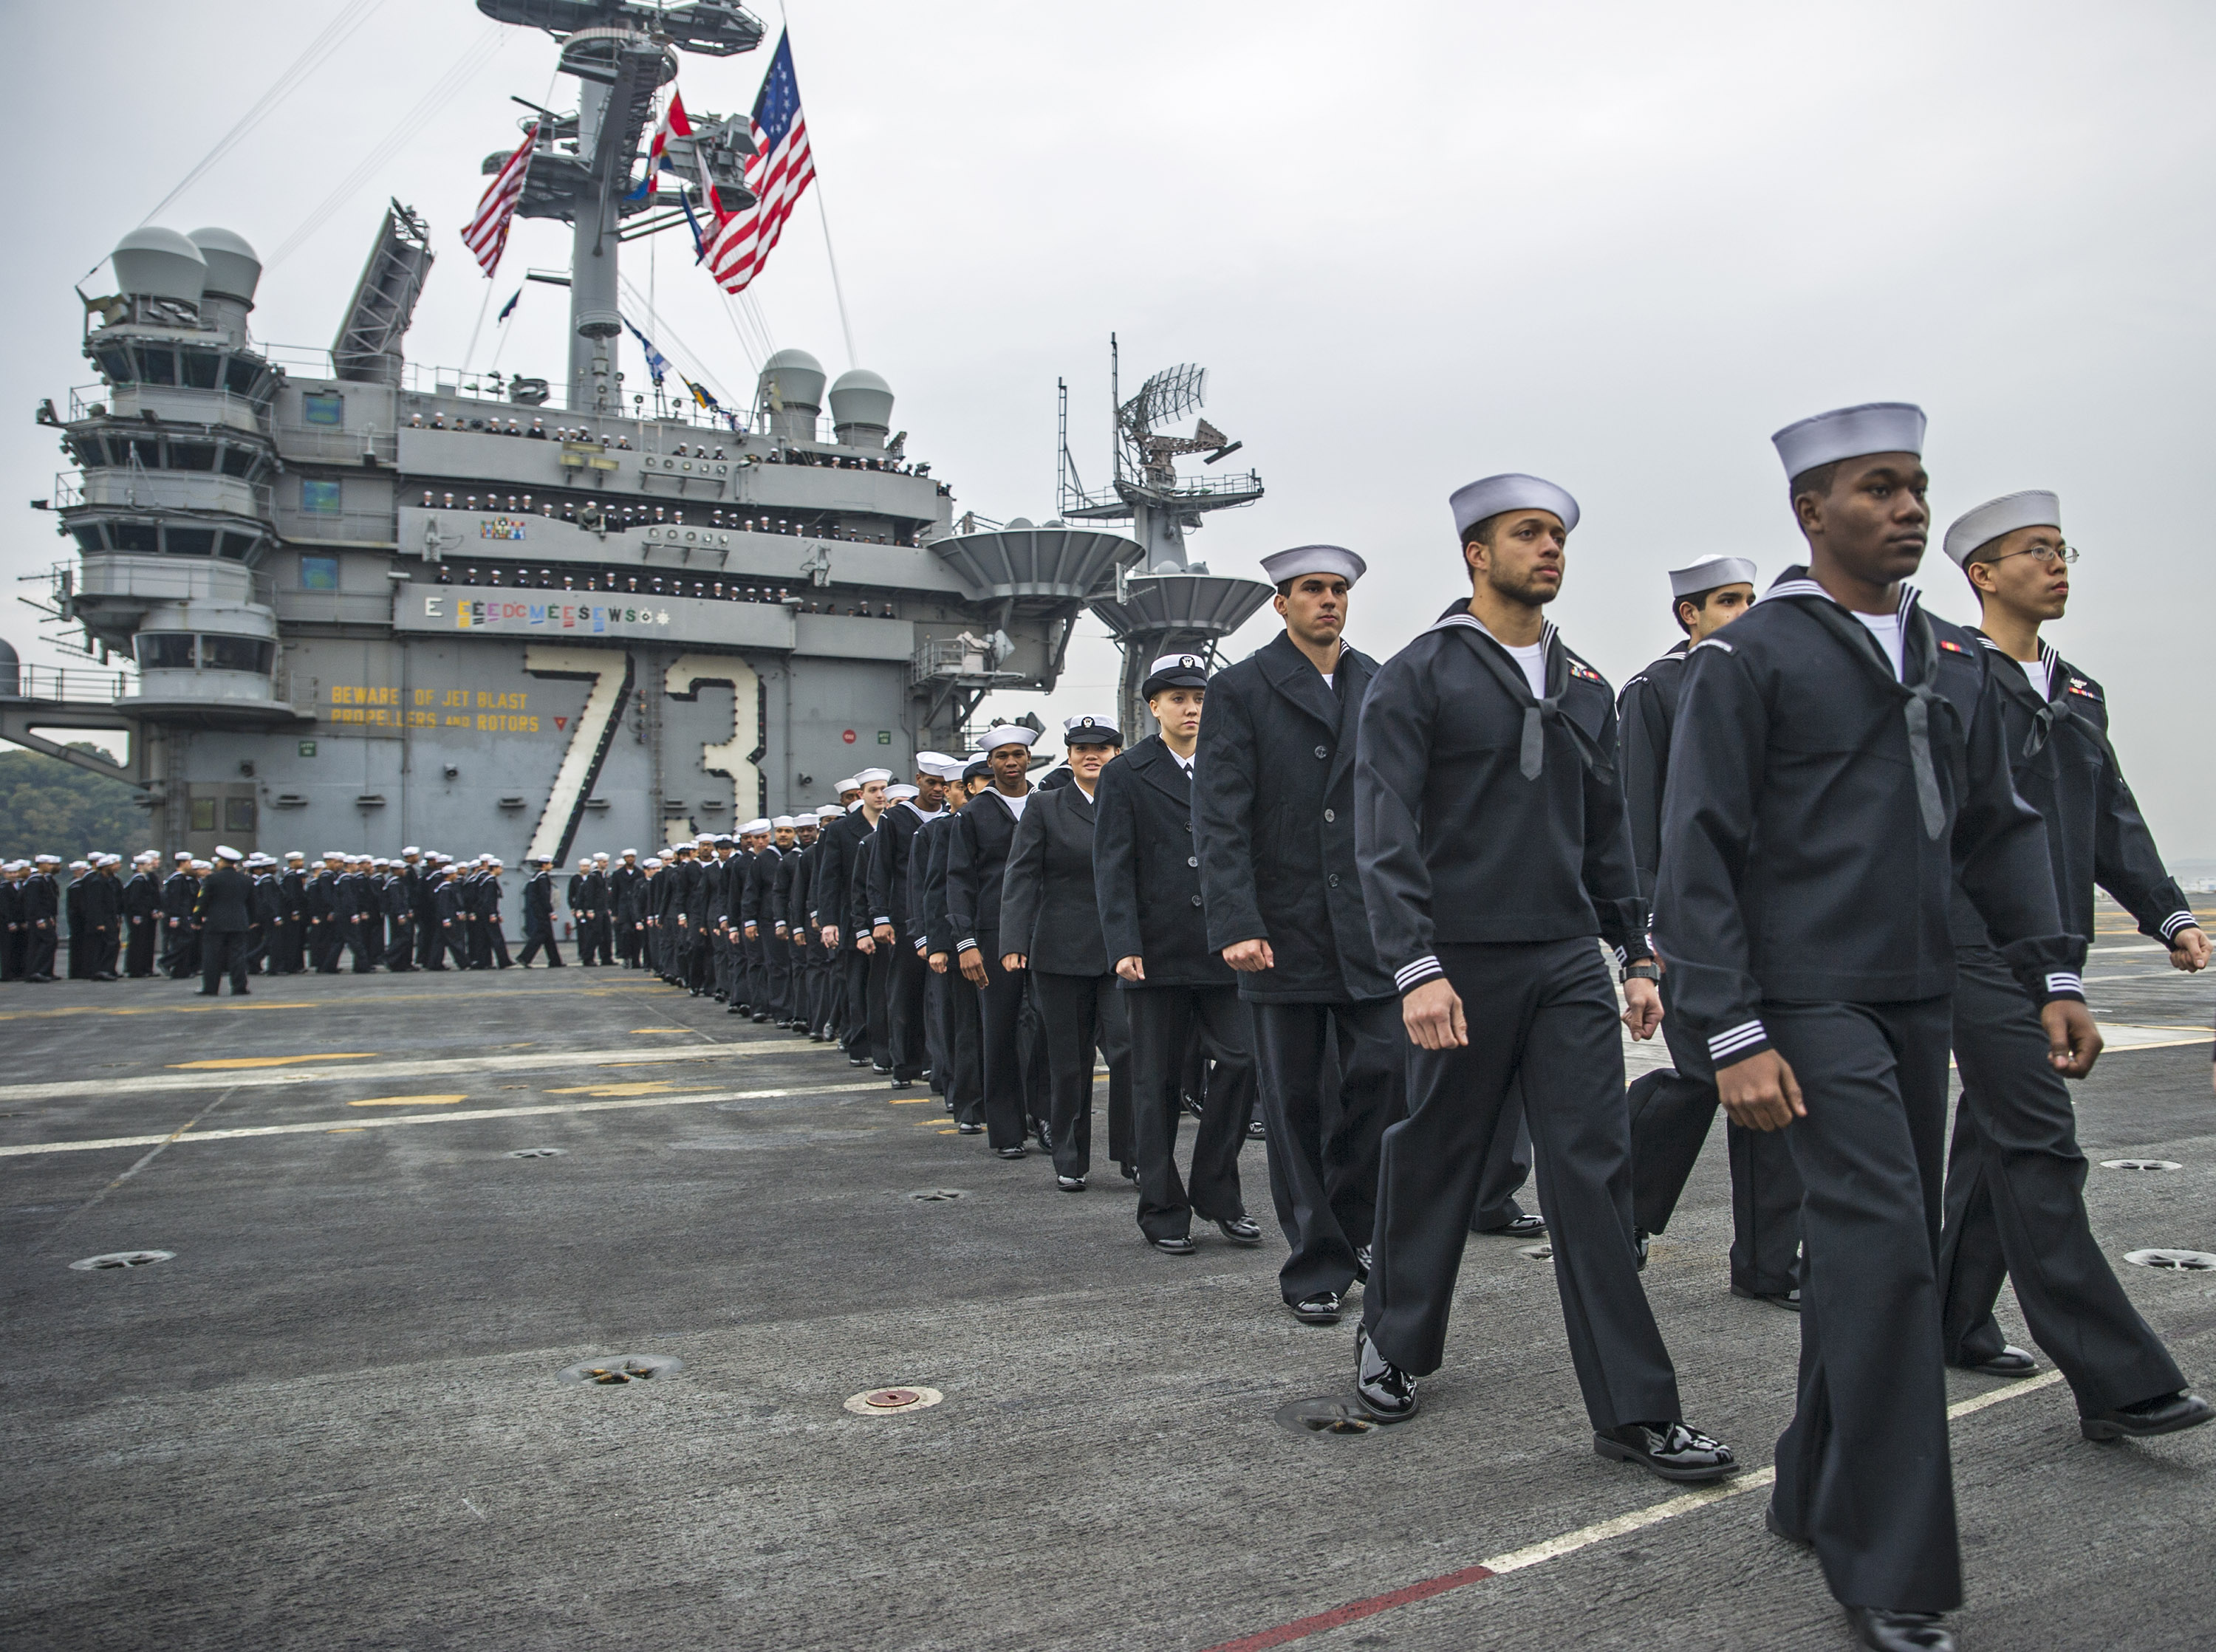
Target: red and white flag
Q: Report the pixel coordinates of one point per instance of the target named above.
(779, 174)
(487, 234)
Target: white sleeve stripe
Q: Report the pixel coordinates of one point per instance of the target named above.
(2064, 980)
(2177, 921)
(1737, 1038)
(1423, 969)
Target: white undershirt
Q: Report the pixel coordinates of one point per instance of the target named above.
(1015, 804)
(1886, 628)
(1331, 681)
(2041, 675)
(1532, 658)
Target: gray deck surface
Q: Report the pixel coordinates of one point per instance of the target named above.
(333, 1420)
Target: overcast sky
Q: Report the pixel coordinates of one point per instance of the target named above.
(1614, 244)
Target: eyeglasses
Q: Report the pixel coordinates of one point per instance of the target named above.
(2046, 556)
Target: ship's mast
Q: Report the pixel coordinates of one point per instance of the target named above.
(621, 53)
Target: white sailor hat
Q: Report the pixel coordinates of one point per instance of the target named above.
(599, 854)
(380, 860)
(56, 859)
(1092, 731)
(493, 864)
(185, 855)
(848, 784)
(755, 827)
(335, 854)
(901, 793)
(80, 866)
(628, 853)
(828, 811)
(1174, 671)
(976, 763)
(783, 823)
(654, 860)
(932, 762)
(864, 776)
(225, 852)
(145, 856)
(1709, 573)
(1490, 495)
(1848, 434)
(1314, 559)
(203, 866)
(1006, 734)
(411, 850)
(1973, 530)
(585, 861)
(295, 855)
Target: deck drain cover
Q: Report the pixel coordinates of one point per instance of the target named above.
(538, 1153)
(936, 1195)
(1537, 1252)
(2191, 1261)
(1332, 1414)
(121, 1259)
(2140, 1165)
(886, 1401)
(621, 1368)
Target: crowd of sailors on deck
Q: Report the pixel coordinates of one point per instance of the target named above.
(1403, 912)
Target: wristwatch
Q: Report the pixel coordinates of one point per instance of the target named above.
(1645, 970)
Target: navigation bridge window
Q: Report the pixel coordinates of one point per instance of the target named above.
(318, 498)
(176, 651)
(193, 367)
(153, 539)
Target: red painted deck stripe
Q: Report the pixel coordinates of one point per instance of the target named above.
(1355, 1611)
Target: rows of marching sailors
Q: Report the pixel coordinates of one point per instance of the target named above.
(243, 914)
(1825, 843)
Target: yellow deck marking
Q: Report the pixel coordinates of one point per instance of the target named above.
(911, 1101)
(270, 1060)
(643, 1087)
(410, 1101)
(928, 1123)
(662, 1029)
(345, 1130)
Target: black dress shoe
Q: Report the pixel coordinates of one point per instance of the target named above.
(1009, 1152)
(1239, 1230)
(857, 1060)
(1070, 1183)
(1045, 1137)
(1361, 1255)
(1180, 1245)
(734, 1010)
(1669, 1449)
(1381, 1387)
(1129, 1172)
(1883, 1630)
(1788, 1300)
(202, 993)
(1777, 1528)
(1323, 1308)
(1641, 1239)
(1255, 1132)
(904, 1084)
(968, 1129)
(2010, 1361)
(2165, 1414)
(1523, 1227)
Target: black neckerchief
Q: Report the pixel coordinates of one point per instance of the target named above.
(1914, 688)
(2055, 708)
(1531, 760)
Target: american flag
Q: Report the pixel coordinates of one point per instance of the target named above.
(487, 234)
(779, 174)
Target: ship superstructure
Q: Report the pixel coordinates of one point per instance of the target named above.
(345, 600)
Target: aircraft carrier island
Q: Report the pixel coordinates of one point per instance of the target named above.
(343, 599)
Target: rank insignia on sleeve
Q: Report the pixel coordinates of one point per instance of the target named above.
(1579, 668)
(1951, 648)
(2079, 685)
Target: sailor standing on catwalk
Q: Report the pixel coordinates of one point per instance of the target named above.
(1177, 990)
(1671, 1108)
(1493, 848)
(977, 861)
(1273, 825)
(1839, 757)
(1051, 926)
(2016, 1181)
